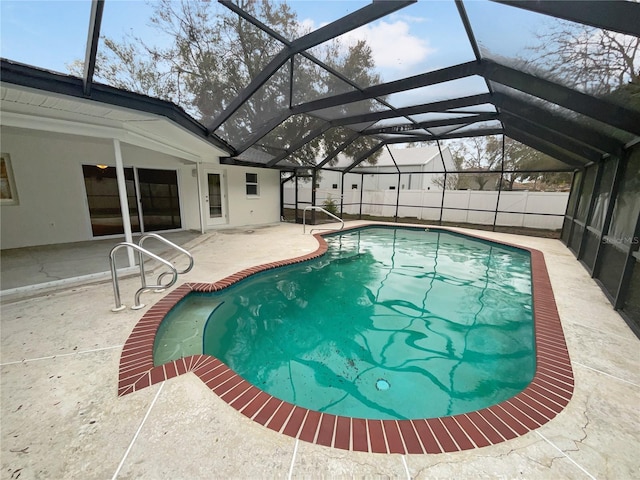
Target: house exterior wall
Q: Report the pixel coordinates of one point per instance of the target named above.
(386, 178)
(247, 210)
(387, 181)
(52, 206)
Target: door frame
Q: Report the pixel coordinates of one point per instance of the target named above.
(224, 219)
(140, 205)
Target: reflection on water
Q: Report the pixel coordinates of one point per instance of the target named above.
(445, 321)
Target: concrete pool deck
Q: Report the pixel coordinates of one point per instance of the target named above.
(61, 416)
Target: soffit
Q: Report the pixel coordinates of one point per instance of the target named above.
(29, 108)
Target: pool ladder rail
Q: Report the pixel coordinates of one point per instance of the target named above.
(320, 209)
(142, 252)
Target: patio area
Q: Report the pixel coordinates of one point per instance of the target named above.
(62, 418)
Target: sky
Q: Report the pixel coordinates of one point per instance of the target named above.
(421, 37)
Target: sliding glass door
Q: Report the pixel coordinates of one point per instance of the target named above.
(103, 199)
(160, 203)
(152, 194)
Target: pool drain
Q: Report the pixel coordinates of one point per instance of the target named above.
(382, 384)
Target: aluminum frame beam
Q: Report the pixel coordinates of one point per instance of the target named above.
(462, 11)
(480, 132)
(337, 150)
(596, 108)
(545, 147)
(93, 37)
(407, 127)
(350, 22)
(552, 121)
(447, 74)
(299, 144)
(440, 106)
(370, 93)
(364, 156)
(618, 16)
(235, 8)
(565, 143)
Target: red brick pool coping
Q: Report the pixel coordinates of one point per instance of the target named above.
(545, 397)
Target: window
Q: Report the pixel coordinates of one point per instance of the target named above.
(392, 187)
(252, 184)
(334, 186)
(354, 186)
(8, 194)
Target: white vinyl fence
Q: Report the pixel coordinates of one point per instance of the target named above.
(543, 210)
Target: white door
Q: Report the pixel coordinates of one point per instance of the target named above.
(215, 198)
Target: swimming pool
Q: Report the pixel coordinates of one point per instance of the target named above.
(544, 397)
(386, 315)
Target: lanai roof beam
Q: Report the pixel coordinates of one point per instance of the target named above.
(93, 37)
(544, 147)
(617, 16)
(597, 108)
(550, 120)
(343, 25)
(406, 127)
(440, 106)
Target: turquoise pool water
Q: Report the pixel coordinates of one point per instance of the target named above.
(388, 324)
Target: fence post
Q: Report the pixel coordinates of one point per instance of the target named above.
(361, 194)
(466, 212)
(524, 209)
(398, 196)
(444, 189)
(341, 195)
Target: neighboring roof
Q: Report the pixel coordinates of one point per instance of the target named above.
(402, 157)
(508, 96)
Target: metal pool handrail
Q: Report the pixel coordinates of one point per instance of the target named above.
(314, 207)
(171, 244)
(114, 275)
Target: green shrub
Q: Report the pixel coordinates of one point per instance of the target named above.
(330, 205)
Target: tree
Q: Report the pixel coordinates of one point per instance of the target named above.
(520, 164)
(596, 61)
(451, 180)
(589, 59)
(212, 54)
(478, 154)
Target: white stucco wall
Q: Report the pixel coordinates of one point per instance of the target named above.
(262, 209)
(385, 177)
(52, 204)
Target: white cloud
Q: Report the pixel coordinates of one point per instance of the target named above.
(392, 45)
(305, 26)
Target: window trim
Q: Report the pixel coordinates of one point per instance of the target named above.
(248, 183)
(9, 182)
